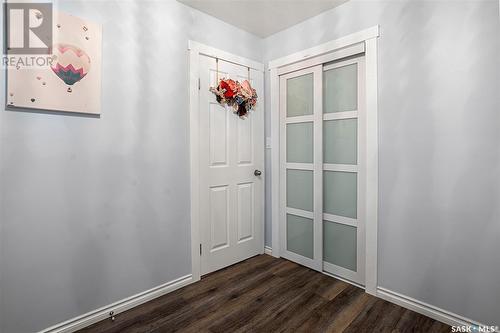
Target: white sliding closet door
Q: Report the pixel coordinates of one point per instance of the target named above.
(301, 166)
(343, 169)
(322, 175)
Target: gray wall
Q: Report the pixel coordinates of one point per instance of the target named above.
(439, 151)
(96, 210)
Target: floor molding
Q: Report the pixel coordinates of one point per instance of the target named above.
(428, 310)
(95, 316)
(268, 250)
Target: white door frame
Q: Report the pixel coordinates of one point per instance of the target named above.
(313, 56)
(195, 50)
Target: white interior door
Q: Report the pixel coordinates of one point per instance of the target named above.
(231, 156)
(322, 161)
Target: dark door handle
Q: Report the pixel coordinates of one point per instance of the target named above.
(257, 173)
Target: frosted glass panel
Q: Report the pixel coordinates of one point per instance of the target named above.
(299, 189)
(340, 193)
(341, 89)
(339, 244)
(299, 142)
(299, 96)
(340, 141)
(299, 235)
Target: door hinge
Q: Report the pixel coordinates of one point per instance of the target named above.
(199, 84)
(200, 249)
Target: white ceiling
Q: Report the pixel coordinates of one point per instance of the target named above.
(263, 17)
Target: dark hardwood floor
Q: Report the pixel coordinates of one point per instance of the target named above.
(265, 294)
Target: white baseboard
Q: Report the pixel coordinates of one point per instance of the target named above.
(428, 310)
(95, 316)
(268, 250)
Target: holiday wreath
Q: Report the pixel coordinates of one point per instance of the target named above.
(240, 96)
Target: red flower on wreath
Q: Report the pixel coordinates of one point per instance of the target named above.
(229, 92)
(234, 86)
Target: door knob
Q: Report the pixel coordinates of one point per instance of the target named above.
(257, 173)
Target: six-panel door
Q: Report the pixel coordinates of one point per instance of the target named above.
(231, 149)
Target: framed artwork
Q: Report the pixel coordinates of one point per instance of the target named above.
(71, 82)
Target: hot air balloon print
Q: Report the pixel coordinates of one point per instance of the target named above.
(71, 64)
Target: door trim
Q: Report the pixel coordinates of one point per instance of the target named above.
(195, 50)
(369, 38)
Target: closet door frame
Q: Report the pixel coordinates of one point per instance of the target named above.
(323, 53)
